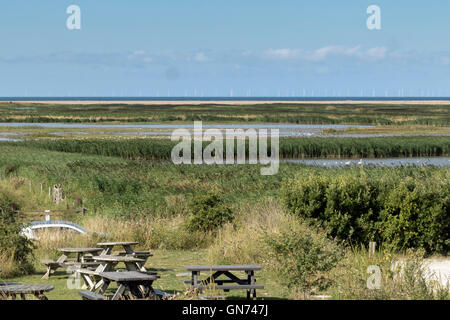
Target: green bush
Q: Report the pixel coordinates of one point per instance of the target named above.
(9, 169)
(301, 257)
(402, 207)
(15, 250)
(417, 215)
(209, 212)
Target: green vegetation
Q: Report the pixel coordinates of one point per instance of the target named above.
(403, 277)
(290, 148)
(16, 252)
(405, 208)
(301, 258)
(189, 214)
(271, 112)
(209, 213)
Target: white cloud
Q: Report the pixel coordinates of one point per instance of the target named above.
(141, 56)
(200, 57)
(377, 53)
(283, 53)
(323, 53)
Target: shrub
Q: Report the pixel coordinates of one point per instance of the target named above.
(10, 168)
(16, 251)
(301, 257)
(416, 215)
(209, 212)
(402, 207)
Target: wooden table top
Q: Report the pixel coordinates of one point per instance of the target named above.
(243, 267)
(25, 288)
(120, 243)
(117, 259)
(79, 250)
(125, 276)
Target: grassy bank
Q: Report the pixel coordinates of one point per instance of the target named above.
(152, 204)
(271, 112)
(290, 148)
(117, 187)
(250, 239)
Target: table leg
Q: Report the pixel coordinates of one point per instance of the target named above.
(87, 281)
(118, 294)
(22, 296)
(128, 249)
(251, 280)
(47, 273)
(41, 296)
(107, 251)
(194, 280)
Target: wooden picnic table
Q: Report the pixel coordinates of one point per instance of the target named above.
(81, 252)
(231, 282)
(136, 284)
(64, 260)
(131, 263)
(108, 246)
(129, 251)
(107, 263)
(38, 290)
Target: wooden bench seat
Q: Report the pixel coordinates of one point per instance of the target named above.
(52, 265)
(87, 271)
(232, 281)
(231, 287)
(38, 290)
(234, 267)
(83, 265)
(137, 254)
(89, 295)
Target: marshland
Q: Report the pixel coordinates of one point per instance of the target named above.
(308, 226)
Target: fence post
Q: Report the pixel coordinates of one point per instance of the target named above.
(57, 194)
(372, 246)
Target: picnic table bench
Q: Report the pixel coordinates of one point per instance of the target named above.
(63, 261)
(136, 284)
(232, 282)
(38, 290)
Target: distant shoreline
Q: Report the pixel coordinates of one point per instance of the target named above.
(230, 102)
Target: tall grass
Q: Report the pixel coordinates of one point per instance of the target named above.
(404, 276)
(160, 149)
(270, 112)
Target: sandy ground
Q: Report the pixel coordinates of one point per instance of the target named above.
(439, 269)
(243, 102)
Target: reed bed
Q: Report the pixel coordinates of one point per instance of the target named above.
(290, 148)
(364, 113)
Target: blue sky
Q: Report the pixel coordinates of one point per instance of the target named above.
(218, 48)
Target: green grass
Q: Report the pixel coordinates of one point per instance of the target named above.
(112, 185)
(167, 263)
(271, 112)
(290, 148)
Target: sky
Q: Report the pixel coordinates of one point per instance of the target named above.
(224, 48)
